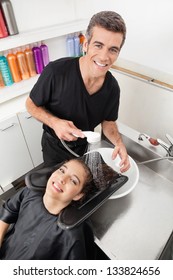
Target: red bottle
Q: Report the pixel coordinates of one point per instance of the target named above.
(3, 29)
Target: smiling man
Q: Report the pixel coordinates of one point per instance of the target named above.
(75, 94)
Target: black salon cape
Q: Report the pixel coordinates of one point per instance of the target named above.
(35, 234)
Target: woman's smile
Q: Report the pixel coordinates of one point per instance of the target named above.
(57, 187)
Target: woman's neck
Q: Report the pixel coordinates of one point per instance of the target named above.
(52, 205)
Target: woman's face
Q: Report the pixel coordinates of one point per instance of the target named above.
(67, 182)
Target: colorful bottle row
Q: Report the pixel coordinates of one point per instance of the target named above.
(22, 63)
(74, 44)
(8, 25)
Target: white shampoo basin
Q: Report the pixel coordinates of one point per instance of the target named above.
(132, 173)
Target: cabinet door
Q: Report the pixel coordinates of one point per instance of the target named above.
(32, 130)
(14, 154)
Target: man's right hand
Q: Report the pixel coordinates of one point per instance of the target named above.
(66, 130)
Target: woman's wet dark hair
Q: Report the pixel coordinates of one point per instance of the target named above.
(88, 184)
(98, 177)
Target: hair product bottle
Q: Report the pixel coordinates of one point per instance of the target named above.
(45, 54)
(3, 28)
(81, 40)
(38, 59)
(22, 64)
(9, 17)
(14, 67)
(5, 71)
(76, 45)
(70, 45)
(30, 61)
(1, 81)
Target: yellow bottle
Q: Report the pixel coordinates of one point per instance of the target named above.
(30, 61)
(24, 72)
(14, 67)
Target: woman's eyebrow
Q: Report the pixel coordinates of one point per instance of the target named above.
(77, 178)
(66, 167)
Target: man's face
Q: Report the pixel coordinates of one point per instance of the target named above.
(102, 51)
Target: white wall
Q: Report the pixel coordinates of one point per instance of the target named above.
(33, 14)
(149, 27)
(148, 50)
(149, 41)
(145, 107)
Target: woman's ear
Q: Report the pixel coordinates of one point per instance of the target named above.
(78, 196)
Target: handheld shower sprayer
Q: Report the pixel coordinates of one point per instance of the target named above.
(92, 138)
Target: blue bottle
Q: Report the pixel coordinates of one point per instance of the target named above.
(76, 45)
(70, 45)
(5, 71)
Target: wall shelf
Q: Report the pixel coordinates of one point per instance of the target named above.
(24, 38)
(9, 92)
(40, 34)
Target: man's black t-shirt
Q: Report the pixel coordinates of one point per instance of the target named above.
(61, 90)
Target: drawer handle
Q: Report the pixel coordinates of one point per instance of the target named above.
(13, 124)
(29, 117)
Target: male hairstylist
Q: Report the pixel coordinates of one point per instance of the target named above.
(75, 94)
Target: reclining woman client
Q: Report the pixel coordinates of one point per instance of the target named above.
(34, 233)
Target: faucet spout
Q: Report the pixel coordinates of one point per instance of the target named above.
(140, 137)
(156, 142)
(153, 141)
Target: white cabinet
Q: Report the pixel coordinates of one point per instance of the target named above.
(32, 131)
(14, 155)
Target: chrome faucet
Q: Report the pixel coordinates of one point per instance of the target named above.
(156, 142)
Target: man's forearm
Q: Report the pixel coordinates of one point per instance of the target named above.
(40, 113)
(64, 129)
(110, 130)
